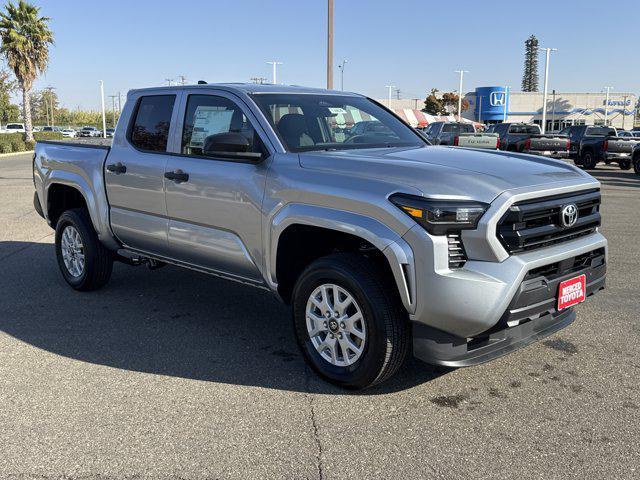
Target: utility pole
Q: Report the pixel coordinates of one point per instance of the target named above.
(341, 67)
(390, 87)
(329, 44)
(182, 79)
(506, 100)
(397, 94)
(624, 109)
(258, 80)
(113, 103)
(104, 118)
(119, 102)
(274, 64)
(606, 105)
(546, 86)
(169, 81)
(461, 72)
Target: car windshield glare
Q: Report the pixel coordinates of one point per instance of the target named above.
(308, 122)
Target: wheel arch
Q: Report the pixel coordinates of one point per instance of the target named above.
(294, 225)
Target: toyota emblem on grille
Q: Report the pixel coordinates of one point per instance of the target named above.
(569, 215)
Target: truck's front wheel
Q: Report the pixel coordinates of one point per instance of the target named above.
(350, 324)
(84, 262)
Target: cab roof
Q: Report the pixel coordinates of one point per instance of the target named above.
(248, 88)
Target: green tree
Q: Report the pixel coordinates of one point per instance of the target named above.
(432, 104)
(8, 111)
(530, 74)
(25, 39)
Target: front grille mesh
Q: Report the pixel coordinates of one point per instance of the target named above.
(534, 224)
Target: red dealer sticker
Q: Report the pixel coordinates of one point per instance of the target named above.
(572, 291)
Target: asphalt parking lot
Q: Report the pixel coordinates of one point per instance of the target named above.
(172, 374)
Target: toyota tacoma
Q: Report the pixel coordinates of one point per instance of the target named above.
(382, 244)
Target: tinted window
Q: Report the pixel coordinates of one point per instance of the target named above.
(207, 118)
(150, 130)
(448, 128)
(465, 128)
(600, 131)
(529, 129)
(307, 122)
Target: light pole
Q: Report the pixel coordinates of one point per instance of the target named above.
(390, 87)
(506, 100)
(553, 109)
(341, 67)
(169, 81)
(606, 105)
(104, 118)
(329, 44)
(546, 86)
(274, 64)
(461, 72)
(624, 109)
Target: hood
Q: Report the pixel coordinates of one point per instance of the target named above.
(447, 171)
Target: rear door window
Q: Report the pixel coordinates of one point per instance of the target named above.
(150, 128)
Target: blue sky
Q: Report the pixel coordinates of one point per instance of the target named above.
(415, 45)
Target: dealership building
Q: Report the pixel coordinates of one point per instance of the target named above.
(499, 104)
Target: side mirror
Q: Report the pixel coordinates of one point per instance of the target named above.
(231, 145)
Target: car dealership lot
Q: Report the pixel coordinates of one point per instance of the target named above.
(174, 374)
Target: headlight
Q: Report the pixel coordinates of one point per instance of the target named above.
(440, 217)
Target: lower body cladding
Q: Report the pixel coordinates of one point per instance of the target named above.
(484, 310)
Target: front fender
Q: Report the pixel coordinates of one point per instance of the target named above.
(390, 243)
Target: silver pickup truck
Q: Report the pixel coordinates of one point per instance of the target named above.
(382, 244)
(460, 134)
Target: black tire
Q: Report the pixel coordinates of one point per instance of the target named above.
(98, 261)
(636, 164)
(387, 327)
(625, 164)
(589, 160)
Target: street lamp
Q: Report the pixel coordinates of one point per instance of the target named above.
(546, 86)
(461, 72)
(606, 105)
(274, 64)
(341, 67)
(390, 87)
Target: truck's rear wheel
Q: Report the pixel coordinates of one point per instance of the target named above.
(625, 164)
(636, 164)
(84, 262)
(589, 160)
(350, 324)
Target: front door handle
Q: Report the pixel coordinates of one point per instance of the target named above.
(117, 168)
(178, 176)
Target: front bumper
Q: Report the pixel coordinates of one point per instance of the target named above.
(530, 316)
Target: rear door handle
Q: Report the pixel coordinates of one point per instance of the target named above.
(117, 168)
(178, 176)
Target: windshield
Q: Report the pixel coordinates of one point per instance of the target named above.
(334, 122)
(14, 126)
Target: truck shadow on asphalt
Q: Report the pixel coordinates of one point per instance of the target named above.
(616, 178)
(166, 322)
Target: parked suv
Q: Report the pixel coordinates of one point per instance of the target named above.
(382, 244)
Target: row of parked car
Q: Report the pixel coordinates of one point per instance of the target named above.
(67, 132)
(586, 145)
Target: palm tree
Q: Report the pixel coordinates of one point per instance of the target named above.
(25, 37)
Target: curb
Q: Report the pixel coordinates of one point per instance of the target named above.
(15, 153)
